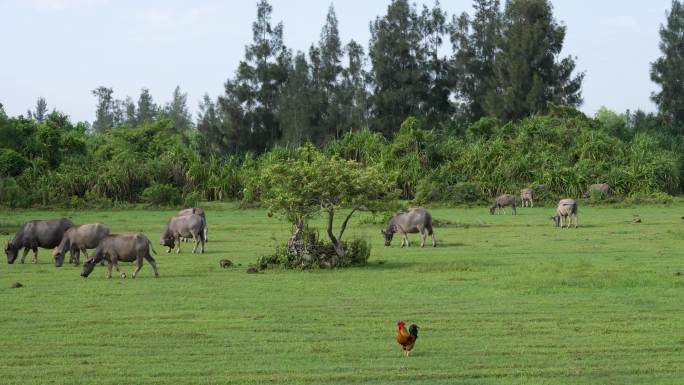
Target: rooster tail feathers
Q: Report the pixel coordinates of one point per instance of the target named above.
(413, 330)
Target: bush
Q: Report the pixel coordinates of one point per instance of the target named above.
(11, 162)
(11, 194)
(315, 253)
(458, 193)
(162, 195)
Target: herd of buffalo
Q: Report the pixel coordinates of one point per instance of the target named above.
(63, 236)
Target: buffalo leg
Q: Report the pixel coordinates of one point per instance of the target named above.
(23, 257)
(434, 241)
(116, 266)
(152, 263)
(179, 244)
(138, 266)
(195, 242)
(423, 235)
(35, 255)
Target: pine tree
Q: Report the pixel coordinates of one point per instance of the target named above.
(668, 70)
(104, 115)
(250, 100)
(130, 113)
(355, 98)
(177, 111)
(295, 114)
(437, 107)
(213, 138)
(331, 69)
(528, 74)
(147, 110)
(475, 43)
(400, 79)
(41, 111)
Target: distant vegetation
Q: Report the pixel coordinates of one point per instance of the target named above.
(495, 114)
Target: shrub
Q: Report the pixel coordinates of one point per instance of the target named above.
(162, 195)
(311, 252)
(11, 162)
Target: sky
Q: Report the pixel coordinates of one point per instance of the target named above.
(63, 49)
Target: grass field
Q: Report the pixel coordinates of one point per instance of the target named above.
(502, 300)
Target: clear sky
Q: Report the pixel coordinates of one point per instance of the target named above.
(63, 49)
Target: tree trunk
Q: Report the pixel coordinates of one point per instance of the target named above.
(336, 242)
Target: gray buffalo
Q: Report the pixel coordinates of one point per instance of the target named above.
(197, 211)
(501, 202)
(187, 226)
(35, 234)
(417, 220)
(77, 239)
(125, 248)
(566, 210)
(602, 187)
(527, 197)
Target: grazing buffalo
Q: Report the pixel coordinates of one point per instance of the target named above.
(35, 234)
(501, 202)
(527, 197)
(198, 211)
(188, 226)
(416, 220)
(77, 239)
(567, 209)
(125, 248)
(602, 187)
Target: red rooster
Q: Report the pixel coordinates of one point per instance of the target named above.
(407, 339)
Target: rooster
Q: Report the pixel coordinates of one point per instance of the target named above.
(407, 339)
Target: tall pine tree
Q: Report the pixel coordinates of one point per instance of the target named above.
(527, 70)
(251, 98)
(104, 114)
(475, 43)
(400, 78)
(668, 70)
(295, 114)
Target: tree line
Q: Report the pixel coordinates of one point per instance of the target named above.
(492, 111)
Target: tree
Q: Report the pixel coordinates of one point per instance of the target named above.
(406, 72)
(354, 99)
(295, 112)
(213, 138)
(40, 113)
(437, 107)
(399, 82)
(475, 43)
(528, 74)
(130, 113)
(147, 110)
(310, 182)
(668, 70)
(104, 114)
(251, 98)
(331, 69)
(177, 111)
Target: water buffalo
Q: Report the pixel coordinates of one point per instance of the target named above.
(566, 208)
(35, 234)
(77, 239)
(198, 211)
(501, 202)
(125, 248)
(527, 197)
(417, 220)
(603, 187)
(188, 226)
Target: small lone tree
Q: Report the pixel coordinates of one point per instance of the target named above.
(311, 182)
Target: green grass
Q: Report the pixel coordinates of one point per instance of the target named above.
(502, 300)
